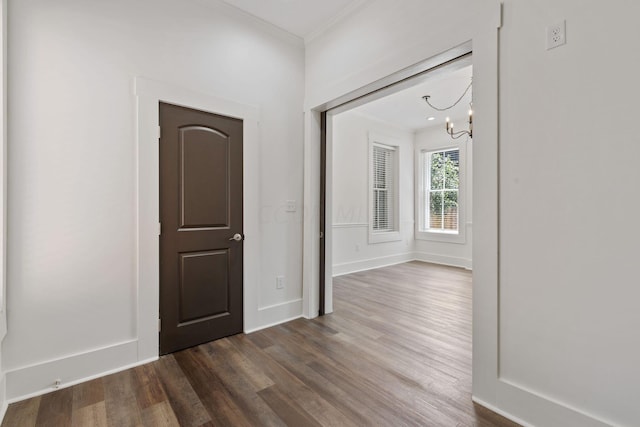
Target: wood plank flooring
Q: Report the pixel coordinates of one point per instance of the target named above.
(395, 352)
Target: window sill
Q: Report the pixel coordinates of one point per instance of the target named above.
(441, 236)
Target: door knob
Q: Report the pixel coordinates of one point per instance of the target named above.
(237, 237)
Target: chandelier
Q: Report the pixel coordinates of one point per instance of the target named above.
(449, 124)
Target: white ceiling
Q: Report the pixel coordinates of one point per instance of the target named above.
(304, 18)
(408, 110)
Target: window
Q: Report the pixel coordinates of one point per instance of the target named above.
(442, 182)
(383, 162)
(441, 197)
(383, 193)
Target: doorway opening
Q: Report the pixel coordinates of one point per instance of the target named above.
(382, 156)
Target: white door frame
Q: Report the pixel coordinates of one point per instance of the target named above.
(484, 43)
(149, 94)
(376, 90)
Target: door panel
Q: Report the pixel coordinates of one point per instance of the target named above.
(200, 210)
(204, 200)
(203, 286)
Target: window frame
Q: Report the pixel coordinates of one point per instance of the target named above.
(421, 200)
(393, 234)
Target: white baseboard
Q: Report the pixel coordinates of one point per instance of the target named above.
(275, 314)
(443, 259)
(34, 380)
(542, 410)
(368, 264)
(279, 322)
(501, 412)
(3, 410)
(3, 397)
(37, 379)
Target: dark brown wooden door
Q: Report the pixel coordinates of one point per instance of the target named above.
(200, 212)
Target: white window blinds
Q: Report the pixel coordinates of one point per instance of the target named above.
(383, 159)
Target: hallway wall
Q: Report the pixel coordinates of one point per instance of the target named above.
(352, 250)
(72, 248)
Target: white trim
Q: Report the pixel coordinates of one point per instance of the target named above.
(501, 412)
(485, 248)
(276, 314)
(279, 322)
(37, 379)
(3, 200)
(279, 313)
(540, 409)
(253, 21)
(82, 380)
(431, 258)
(149, 93)
(351, 225)
(371, 263)
(3, 172)
(386, 261)
(271, 307)
(348, 10)
(311, 223)
(352, 92)
(3, 397)
(328, 229)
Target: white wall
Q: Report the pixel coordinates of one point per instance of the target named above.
(568, 295)
(570, 241)
(567, 310)
(72, 154)
(351, 248)
(458, 253)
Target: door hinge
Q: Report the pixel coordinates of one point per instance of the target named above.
(159, 228)
(159, 325)
(322, 235)
(159, 132)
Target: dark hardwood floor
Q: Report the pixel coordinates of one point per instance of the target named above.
(396, 352)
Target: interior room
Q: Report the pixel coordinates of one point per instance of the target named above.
(416, 129)
(86, 222)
